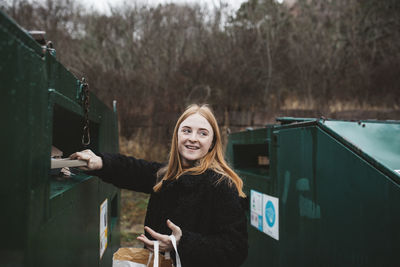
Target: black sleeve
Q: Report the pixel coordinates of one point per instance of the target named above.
(227, 245)
(128, 172)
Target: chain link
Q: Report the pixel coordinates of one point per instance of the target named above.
(86, 106)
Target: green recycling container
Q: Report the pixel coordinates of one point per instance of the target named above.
(48, 219)
(321, 192)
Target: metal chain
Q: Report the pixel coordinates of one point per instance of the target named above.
(86, 106)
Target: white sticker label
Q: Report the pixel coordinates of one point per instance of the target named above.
(103, 227)
(271, 216)
(256, 210)
(264, 213)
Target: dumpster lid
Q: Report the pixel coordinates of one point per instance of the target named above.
(289, 120)
(378, 140)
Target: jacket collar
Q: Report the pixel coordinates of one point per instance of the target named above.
(187, 181)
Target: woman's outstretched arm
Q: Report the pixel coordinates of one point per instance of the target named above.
(121, 171)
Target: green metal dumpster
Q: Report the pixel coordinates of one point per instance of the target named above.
(47, 219)
(322, 192)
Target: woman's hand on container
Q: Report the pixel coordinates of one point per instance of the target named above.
(164, 240)
(94, 162)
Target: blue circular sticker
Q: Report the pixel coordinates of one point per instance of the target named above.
(270, 213)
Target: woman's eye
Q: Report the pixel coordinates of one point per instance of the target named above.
(185, 130)
(203, 133)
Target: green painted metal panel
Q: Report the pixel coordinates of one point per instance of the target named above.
(242, 153)
(48, 220)
(379, 141)
(338, 195)
(295, 172)
(359, 205)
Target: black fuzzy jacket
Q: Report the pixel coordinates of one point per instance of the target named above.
(210, 214)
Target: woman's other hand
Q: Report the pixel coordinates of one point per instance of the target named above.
(164, 240)
(94, 162)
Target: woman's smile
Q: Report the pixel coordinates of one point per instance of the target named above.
(191, 147)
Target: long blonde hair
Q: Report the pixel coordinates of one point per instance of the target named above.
(214, 159)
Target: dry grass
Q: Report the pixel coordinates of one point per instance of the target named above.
(143, 145)
(134, 204)
(351, 105)
(293, 102)
(133, 210)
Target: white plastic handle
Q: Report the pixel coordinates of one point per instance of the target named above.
(178, 259)
(156, 251)
(156, 245)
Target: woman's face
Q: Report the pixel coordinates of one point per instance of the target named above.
(195, 136)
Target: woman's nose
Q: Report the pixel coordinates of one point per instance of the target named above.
(193, 137)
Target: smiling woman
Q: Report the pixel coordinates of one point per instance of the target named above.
(196, 197)
(195, 136)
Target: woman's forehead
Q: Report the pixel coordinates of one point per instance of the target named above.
(196, 121)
